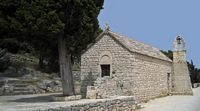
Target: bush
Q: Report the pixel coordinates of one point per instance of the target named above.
(4, 60)
(14, 46)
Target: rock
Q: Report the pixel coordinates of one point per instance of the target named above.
(10, 70)
(27, 77)
(37, 90)
(7, 89)
(50, 86)
(41, 85)
(54, 86)
(54, 75)
(25, 71)
(91, 92)
(36, 81)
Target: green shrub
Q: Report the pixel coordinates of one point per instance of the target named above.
(14, 46)
(4, 60)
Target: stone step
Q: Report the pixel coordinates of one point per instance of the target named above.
(22, 92)
(14, 81)
(2, 84)
(20, 85)
(21, 89)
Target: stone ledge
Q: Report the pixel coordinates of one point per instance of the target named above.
(121, 103)
(66, 98)
(182, 93)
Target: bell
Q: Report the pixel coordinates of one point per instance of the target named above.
(178, 39)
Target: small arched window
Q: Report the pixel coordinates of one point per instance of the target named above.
(105, 64)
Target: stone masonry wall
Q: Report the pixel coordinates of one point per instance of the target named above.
(106, 87)
(151, 77)
(120, 66)
(181, 79)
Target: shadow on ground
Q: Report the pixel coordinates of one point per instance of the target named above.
(38, 99)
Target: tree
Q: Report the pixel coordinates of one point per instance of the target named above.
(168, 53)
(70, 24)
(80, 21)
(194, 73)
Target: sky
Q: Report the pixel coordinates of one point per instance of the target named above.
(156, 22)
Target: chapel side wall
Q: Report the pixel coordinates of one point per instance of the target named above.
(151, 77)
(121, 66)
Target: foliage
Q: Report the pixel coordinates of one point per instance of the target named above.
(4, 60)
(194, 72)
(14, 46)
(47, 24)
(168, 53)
(39, 22)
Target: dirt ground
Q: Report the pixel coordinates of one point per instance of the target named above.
(174, 103)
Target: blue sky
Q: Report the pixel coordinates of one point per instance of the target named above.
(156, 22)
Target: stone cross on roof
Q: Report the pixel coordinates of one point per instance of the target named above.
(107, 27)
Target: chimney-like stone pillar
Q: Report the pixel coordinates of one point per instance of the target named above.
(181, 83)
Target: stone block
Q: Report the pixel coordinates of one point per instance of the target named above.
(92, 94)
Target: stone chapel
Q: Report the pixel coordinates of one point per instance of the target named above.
(115, 65)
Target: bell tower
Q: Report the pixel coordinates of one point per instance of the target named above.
(181, 83)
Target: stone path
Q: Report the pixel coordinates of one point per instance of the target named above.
(174, 103)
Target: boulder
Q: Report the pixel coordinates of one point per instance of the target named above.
(50, 86)
(10, 70)
(27, 77)
(25, 71)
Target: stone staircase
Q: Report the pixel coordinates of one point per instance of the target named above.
(21, 89)
(2, 83)
(15, 87)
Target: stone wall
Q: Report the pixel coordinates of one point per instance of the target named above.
(181, 79)
(104, 88)
(151, 77)
(112, 104)
(120, 66)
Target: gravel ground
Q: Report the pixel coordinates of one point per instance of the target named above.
(174, 103)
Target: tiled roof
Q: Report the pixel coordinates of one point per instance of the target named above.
(139, 47)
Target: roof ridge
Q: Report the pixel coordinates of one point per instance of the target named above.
(137, 46)
(132, 39)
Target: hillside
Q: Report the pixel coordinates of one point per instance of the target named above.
(20, 74)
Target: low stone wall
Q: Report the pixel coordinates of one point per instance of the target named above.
(108, 86)
(123, 103)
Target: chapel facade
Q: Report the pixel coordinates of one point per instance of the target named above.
(115, 65)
